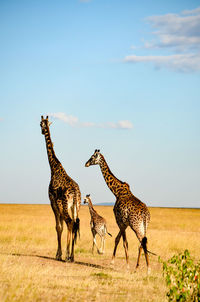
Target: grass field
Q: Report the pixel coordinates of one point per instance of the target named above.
(29, 271)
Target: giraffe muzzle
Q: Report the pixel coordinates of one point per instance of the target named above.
(87, 164)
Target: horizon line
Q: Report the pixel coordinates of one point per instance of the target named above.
(102, 204)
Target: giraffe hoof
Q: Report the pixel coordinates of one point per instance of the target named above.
(148, 271)
(59, 257)
(112, 262)
(69, 259)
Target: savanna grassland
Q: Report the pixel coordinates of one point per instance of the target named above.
(29, 271)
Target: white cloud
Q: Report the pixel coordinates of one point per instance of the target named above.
(178, 33)
(191, 12)
(177, 62)
(122, 125)
(73, 121)
(125, 124)
(179, 43)
(69, 119)
(87, 124)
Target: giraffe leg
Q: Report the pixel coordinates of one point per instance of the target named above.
(93, 235)
(69, 224)
(147, 262)
(69, 235)
(100, 250)
(102, 244)
(94, 242)
(144, 246)
(143, 243)
(72, 248)
(125, 244)
(117, 239)
(59, 229)
(73, 210)
(75, 231)
(104, 238)
(93, 246)
(139, 254)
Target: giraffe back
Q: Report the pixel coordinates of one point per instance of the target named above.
(130, 211)
(64, 190)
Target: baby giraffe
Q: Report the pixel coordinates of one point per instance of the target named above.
(98, 226)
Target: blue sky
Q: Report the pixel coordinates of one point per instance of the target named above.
(119, 76)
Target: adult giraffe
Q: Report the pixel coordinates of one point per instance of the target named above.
(128, 209)
(64, 195)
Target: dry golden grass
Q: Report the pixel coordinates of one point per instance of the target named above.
(29, 271)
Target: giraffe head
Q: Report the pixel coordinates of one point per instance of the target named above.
(94, 159)
(86, 199)
(44, 124)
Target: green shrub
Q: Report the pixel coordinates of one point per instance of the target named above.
(182, 276)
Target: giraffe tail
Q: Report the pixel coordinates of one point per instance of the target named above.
(144, 239)
(76, 228)
(107, 231)
(144, 246)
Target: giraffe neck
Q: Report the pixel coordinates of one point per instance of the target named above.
(91, 209)
(113, 183)
(53, 161)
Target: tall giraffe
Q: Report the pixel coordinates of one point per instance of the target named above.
(97, 225)
(64, 195)
(128, 210)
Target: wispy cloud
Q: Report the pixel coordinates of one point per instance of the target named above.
(178, 33)
(69, 119)
(176, 62)
(73, 121)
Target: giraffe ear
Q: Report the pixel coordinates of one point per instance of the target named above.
(50, 123)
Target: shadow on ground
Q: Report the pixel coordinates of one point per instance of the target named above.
(54, 259)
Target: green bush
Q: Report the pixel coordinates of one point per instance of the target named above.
(182, 276)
